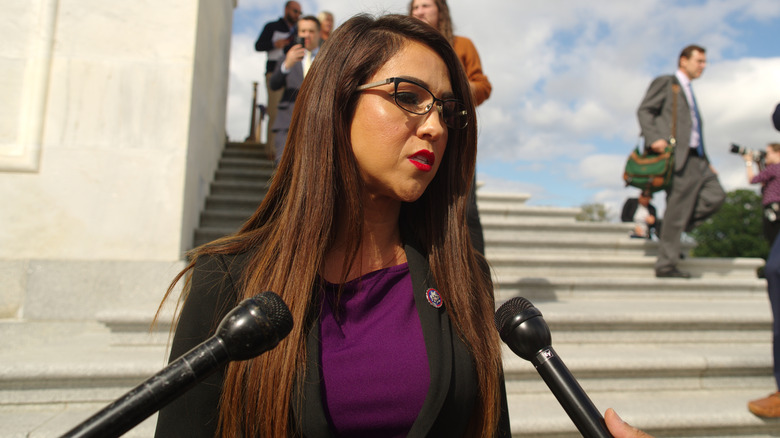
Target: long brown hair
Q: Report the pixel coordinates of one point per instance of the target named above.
(445, 20)
(316, 186)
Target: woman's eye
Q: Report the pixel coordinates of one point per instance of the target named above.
(403, 98)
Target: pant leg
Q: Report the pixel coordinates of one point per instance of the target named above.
(274, 96)
(473, 221)
(280, 138)
(772, 271)
(710, 198)
(680, 202)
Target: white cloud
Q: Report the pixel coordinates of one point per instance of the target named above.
(567, 79)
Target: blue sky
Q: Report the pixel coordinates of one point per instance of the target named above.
(567, 78)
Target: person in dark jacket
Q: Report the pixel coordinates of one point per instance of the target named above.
(275, 37)
(643, 214)
(363, 235)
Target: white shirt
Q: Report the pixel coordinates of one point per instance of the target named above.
(640, 219)
(686, 86)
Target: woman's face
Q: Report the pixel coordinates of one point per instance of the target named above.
(399, 152)
(327, 24)
(427, 11)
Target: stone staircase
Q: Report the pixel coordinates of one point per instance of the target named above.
(239, 185)
(678, 358)
(674, 357)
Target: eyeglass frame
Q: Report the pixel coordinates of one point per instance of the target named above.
(440, 108)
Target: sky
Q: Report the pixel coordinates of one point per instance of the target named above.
(567, 78)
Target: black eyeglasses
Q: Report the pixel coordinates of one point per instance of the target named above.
(416, 99)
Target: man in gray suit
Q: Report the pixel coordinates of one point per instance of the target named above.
(289, 75)
(696, 193)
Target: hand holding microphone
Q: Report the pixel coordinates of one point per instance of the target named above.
(526, 333)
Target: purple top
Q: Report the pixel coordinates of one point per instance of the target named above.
(375, 373)
(770, 177)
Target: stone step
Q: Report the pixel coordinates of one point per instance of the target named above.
(499, 241)
(513, 211)
(233, 202)
(226, 220)
(651, 367)
(239, 188)
(621, 288)
(676, 413)
(242, 175)
(49, 362)
(649, 320)
(506, 197)
(634, 266)
(247, 163)
(53, 420)
(252, 150)
(510, 227)
(205, 235)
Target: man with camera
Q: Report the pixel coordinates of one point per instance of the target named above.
(289, 74)
(669, 117)
(769, 178)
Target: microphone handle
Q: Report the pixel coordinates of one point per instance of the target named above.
(150, 396)
(570, 394)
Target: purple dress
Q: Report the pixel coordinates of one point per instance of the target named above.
(375, 374)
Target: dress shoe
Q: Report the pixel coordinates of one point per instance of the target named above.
(671, 272)
(768, 407)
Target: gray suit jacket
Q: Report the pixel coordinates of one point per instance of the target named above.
(291, 82)
(655, 117)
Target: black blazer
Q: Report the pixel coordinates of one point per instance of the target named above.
(629, 209)
(447, 408)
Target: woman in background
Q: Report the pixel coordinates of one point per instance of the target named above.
(437, 14)
(326, 25)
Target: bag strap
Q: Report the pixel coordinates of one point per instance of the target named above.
(675, 91)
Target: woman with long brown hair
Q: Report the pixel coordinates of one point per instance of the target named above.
(363, 234)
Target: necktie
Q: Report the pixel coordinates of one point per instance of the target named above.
(700, 147)
(306, 62)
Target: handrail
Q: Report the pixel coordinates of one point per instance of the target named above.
(254, 133)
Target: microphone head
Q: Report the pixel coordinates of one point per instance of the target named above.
(522, 327)
(255, 326)
(517, 306)
(276, 311)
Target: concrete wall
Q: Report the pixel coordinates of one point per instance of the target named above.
(111, 123)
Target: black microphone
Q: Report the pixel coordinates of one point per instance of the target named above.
(526, 333)
(255, 326)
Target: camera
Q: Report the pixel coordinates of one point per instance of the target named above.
(758, 156)
(300, 40)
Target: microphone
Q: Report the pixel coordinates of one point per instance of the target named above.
(255, 326)
(523, 329)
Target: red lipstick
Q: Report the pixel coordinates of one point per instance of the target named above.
(423, 159)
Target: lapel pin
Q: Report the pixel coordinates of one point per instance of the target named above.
(433, 297)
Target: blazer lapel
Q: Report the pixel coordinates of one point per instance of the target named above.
(438, 338)
(311, 416)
